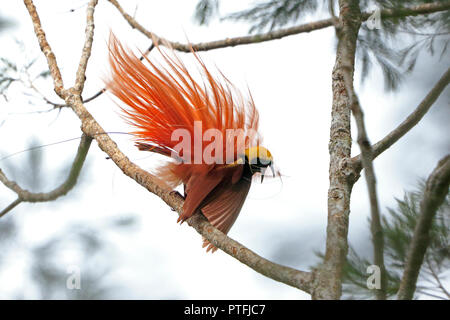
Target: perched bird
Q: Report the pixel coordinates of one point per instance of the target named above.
(219, 151)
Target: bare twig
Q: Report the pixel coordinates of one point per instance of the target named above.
(277, 34)
(10, 207)
(228, 42)
(90, 127)
(89, 32)
(435, 192)
(100, 92)
(63, 189)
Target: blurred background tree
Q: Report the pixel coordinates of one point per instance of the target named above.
(77, 244)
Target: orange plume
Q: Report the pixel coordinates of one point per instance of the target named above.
(162, 99)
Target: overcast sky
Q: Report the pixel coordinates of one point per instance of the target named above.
(290, 81)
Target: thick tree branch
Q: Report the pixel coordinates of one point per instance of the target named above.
(329, 276)
(27, 196)
(90, 127)
(435, 192)
(277, 34)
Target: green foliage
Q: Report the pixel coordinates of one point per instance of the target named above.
(398, 228)
(394, 48)
(397, 45)
(274, 13)
(205, 10)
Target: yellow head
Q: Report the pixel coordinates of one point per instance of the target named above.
(258, 156)
(259, 159)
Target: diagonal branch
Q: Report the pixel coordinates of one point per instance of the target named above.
(11, 206)
(298, 279)
(281, 33)
(409, 123)
(27, 196)
(435, 192)
(366, 160)
(45, 48)
(228, 42)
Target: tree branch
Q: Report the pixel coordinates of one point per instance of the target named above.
(425, 8)
(435, 192)
(87, 48)
(10, 207)
(409, 123)
(329, 276)
(366, 160)
(63, 189)
(90, 127)
(45, 48)
(277, 34)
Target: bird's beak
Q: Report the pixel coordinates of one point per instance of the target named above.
(272, 169)
(263, 172)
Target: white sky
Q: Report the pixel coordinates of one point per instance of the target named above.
(290, 80)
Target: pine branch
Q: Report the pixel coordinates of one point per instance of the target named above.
(434, 195)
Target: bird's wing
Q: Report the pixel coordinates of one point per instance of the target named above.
(197, 189)
(223, 206)
(201, 185)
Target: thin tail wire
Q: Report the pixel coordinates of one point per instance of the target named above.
(57, 142)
